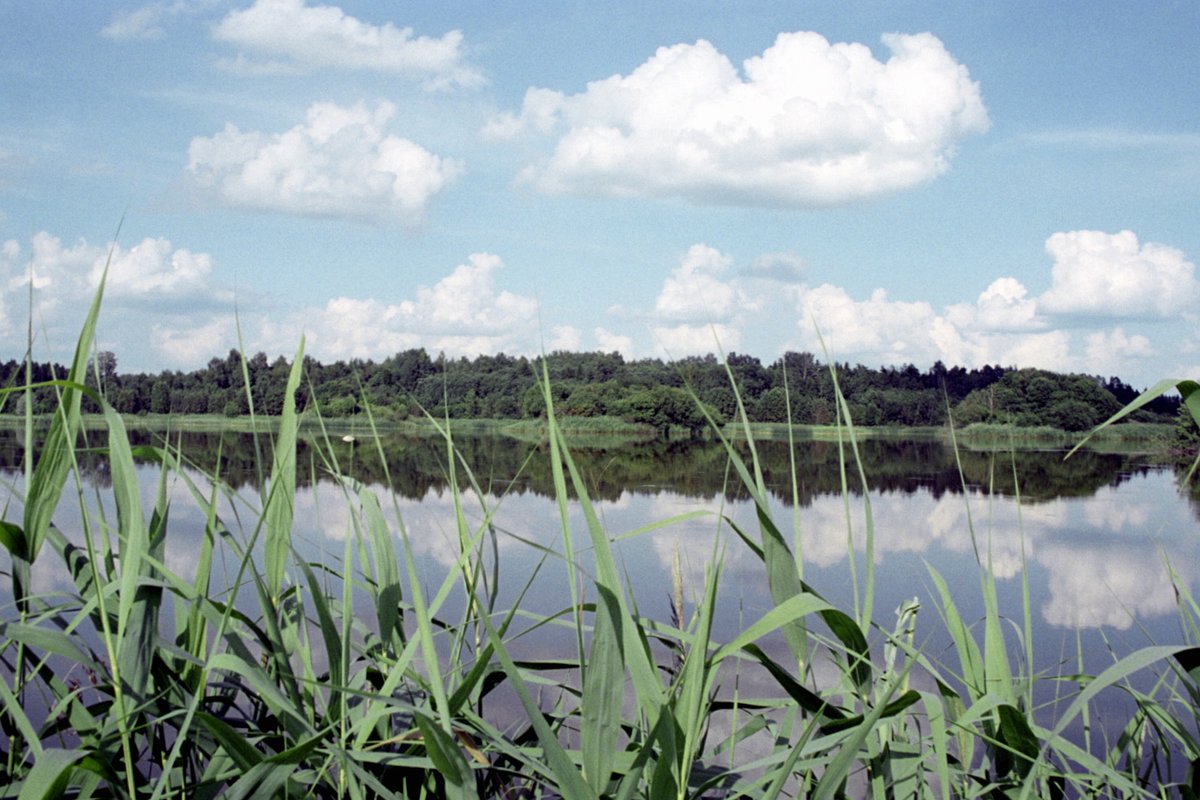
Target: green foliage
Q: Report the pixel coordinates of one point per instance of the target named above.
(1186, 432)
(1033, 397)
(1189, 393)
(594, 384)
(663, 408)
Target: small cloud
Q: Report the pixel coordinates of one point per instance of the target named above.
(564, 337)
(339, 162)
(539, 114)
(805, 124)
(144, 23)
(679, 341)
(610, 342)
(316, 37)
(695, 292)
(141, 23)
(1004, 306)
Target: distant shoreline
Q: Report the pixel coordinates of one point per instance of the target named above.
(615, 429)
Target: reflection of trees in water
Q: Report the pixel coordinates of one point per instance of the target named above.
(1045, 475)
(89, 455)
(415, 466)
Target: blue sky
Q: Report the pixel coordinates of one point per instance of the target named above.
(1002, 183)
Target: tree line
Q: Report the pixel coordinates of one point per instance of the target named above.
(650, 391)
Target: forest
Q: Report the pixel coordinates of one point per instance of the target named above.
(650, 392)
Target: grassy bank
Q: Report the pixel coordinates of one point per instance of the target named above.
(586, 431)
(1131, 436)
(138, 682)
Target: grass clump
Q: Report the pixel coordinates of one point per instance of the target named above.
(270, 680)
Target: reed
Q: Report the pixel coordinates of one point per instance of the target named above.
(260, 676)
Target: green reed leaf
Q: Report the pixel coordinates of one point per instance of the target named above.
(448, 760)
(281, 496)
(50, 774)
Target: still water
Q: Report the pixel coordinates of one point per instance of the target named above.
(1098, 535)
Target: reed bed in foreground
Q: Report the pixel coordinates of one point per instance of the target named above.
(141, 683)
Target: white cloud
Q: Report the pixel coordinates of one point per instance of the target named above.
(897, 331)
(539, 113)
(1097, 278)
(466, 300)
(152, 286)
(678, 341)
(313, 37)
(694, 291)
(1003, 306)
(193, 346)
(699, 310)
(1111, 275)
(564, 337)
(610, 342)
(810, 124)
(1113, 352)
(145, 22)
(154, 270)
(58, 273)
(881, 331)
(1051, 350)
(463, 314)
(338, 163)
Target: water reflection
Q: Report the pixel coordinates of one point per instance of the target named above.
(689, 468)
(1095, 531)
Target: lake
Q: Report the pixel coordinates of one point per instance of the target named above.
(1097, 532)
(1093, 539)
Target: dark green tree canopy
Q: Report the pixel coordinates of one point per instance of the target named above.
(648, 391)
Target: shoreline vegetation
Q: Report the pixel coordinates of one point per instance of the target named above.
(1154, 436)
(259, 673)
(596, 388)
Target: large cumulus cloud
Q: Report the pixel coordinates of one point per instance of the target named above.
(806, 123)
(1112, 274)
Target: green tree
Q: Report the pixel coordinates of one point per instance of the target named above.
(1186, 435)
(160, 397)
(662, 407)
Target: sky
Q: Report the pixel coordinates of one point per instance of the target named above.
(882, 183)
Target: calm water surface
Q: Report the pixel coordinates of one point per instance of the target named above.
(1096, 533)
